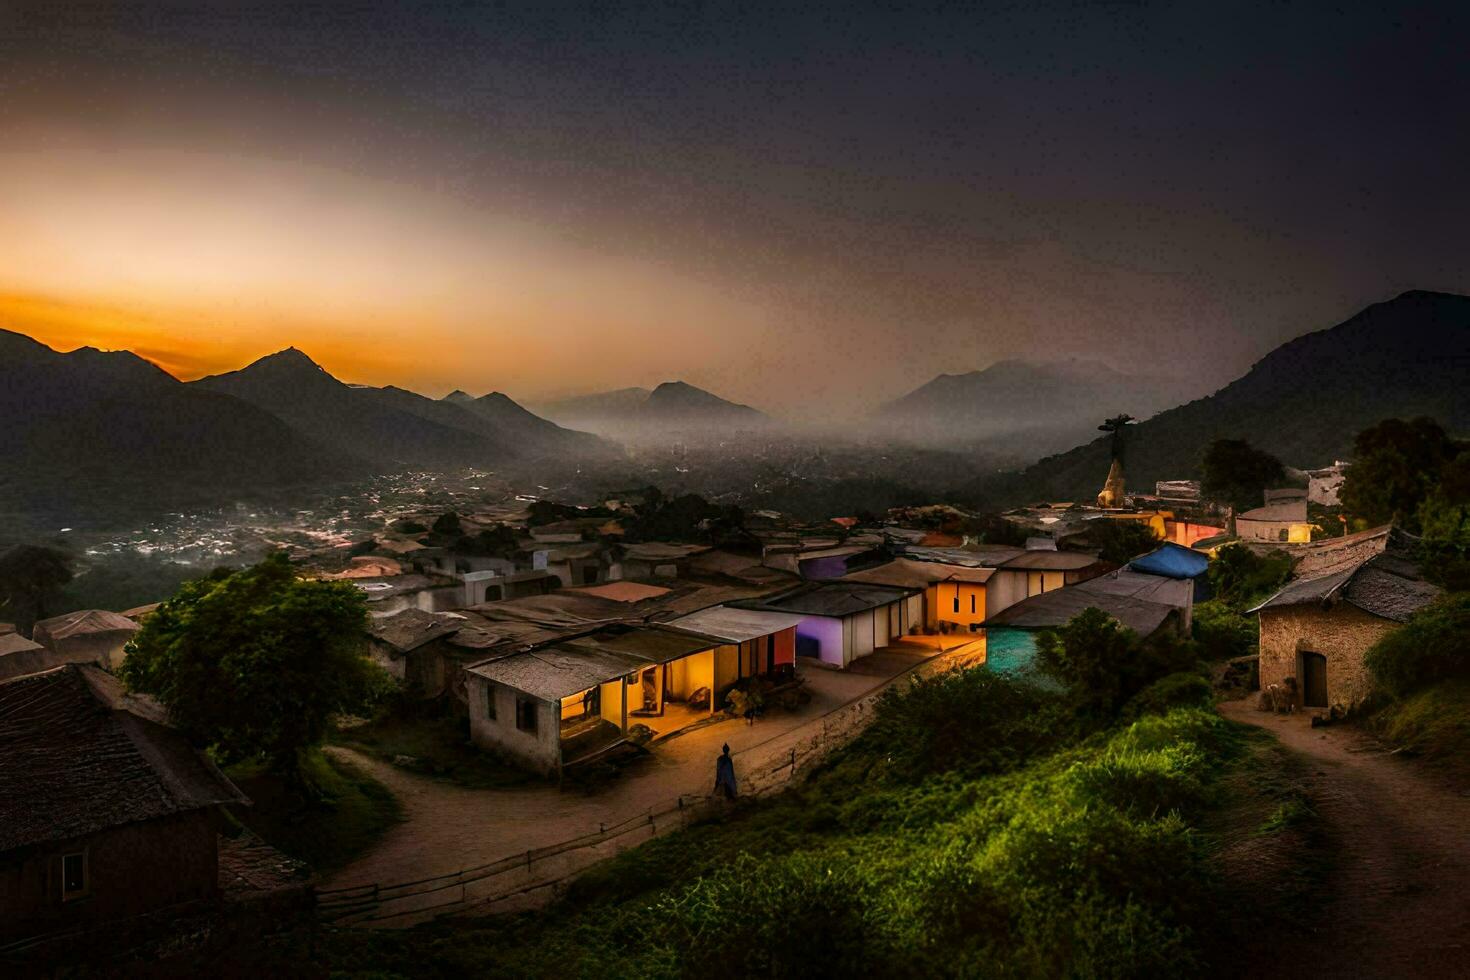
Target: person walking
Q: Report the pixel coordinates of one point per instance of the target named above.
(725, 774)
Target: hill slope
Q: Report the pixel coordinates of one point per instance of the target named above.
(1034, 408)
(1304, 402)
(89, 428)
(511, 421)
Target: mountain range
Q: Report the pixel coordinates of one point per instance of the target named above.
(87, 427)
(1021, 408)
(674, 409)
(1304, 402)
(90, 426)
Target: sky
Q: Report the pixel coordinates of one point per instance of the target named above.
(808, 208)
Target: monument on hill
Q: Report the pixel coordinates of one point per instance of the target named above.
(1112, 492)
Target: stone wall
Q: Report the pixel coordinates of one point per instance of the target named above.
(1342, 633)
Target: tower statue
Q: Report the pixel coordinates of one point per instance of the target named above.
(1112, 491)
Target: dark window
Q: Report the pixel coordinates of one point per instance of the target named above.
(73, 876)
(1284, 534)
(956, 600)
(972, 603)
(490, 701)
(526, 715)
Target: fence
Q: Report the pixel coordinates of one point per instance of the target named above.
(529, 871)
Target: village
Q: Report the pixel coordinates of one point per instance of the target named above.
(609, 653)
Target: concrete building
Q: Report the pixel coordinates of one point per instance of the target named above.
(1324, 485)
(954, 595)
(1316, 629)
(1035, 572)
(843, 621)
(105, 813)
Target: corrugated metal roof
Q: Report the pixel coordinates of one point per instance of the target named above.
(1050, 561)
(836, 599)
(1058, 607)
(736, 625)
(82, 623)
(555, 672)
(908, 573)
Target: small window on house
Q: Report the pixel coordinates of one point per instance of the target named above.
(490, 701)
(957, 601)
(1283, 534)
(526, 715)
(74, 882)
(972, 603)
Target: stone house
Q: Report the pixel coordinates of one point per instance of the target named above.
(105, 812)
(407, 644)
(1316, 629)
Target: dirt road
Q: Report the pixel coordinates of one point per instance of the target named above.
(1397, 900)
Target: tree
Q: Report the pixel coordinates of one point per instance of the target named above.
(1103, 663)
(253, 663)
(447, 525)
(1444, 521)
(1236, 473)
(1122, 541)
(1396, 464)
(1240, 577)
(31, 580)
(1087, 656)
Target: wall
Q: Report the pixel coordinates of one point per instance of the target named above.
(131, 870)
(970, 595)
(913, 612)
(1004, 589)
(860, 636)
(1296, 533)
(612, 703)
(827, 635)
(1039, 582)
(823, 569)
(727, 670)
(384, 656)
(689, 674)
(103, 649)
(540, 751)
(1341, 633)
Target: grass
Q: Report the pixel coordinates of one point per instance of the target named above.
(1058, 850)
(438, 745)
(355, 812)
(1433, 722)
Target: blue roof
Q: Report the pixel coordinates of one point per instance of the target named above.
(1172, 561)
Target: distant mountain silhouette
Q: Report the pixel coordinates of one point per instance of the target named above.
(1020, 407)
(389, 427)
(506, 417)
(673, 409)
(1304, 402)
(90, 427)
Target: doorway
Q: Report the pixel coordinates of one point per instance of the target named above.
(1314, 680)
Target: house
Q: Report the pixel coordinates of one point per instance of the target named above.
(1173, 561)
(556, 704)
(93, 636)
(105, 813)
(843, 621)
(389, 595)
(952, 594)
(494, 584)
(1034, 572)
(19, 656)
(406, 645)
(1317, 628)
(1010, 635)
(656, 559)
(1283, 521)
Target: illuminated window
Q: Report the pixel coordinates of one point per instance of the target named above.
(74, 882)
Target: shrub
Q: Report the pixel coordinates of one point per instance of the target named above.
(1103, 664)
(1223, 632)
(1433, 645)
(1183, 689)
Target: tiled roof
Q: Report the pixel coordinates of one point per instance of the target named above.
(81, 755)
(1387, 584)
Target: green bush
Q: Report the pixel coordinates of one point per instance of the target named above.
(1224, 632)
(1183, 689)
(1434, 645)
